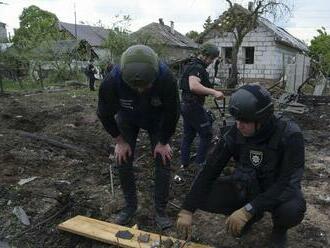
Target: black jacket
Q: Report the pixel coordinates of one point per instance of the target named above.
(270, 164)
(159, 105)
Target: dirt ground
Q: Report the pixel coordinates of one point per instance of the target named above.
(56, 137)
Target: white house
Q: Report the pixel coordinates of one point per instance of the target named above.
(264, 54)
(3, 32)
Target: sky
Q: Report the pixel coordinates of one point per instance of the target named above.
(307, 16)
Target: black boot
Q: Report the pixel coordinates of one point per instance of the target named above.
(162, 219)
(278, 238)
(125, 216)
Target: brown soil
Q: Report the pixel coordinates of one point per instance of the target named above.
(69, 156)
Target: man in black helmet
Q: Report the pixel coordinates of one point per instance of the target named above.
(140, 93)
(195, 86)
(269, 156)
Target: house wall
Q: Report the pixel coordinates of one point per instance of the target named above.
(270, 57)
(3, 33)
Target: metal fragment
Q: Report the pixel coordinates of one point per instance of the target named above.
(124, 234)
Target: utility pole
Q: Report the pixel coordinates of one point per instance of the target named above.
(75, 33)
(75, 20)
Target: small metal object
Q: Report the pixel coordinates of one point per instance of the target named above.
(124, 234)
(144, 238)
(167, 243)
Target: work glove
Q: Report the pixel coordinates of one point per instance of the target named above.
(237, 220)
(183, 224)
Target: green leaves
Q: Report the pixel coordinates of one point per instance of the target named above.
(320, 50)
(36, 26)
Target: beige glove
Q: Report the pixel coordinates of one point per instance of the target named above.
(184, 224)
(237, 220)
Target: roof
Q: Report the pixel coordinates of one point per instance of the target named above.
(281, 35)
(95, 36)
(162, 34)
(65, 46)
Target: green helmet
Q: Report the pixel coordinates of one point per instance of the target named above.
(139, 66)
(251, 103)
(209, 49)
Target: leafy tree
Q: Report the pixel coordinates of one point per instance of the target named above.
(240, 21)
(192, 34)
(320, 50)
(118, 39)
(36, 26)
(208, 23)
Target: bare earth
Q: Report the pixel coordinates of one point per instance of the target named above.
(57, 138)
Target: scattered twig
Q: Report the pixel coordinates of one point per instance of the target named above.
(17, 236)
(50, 141)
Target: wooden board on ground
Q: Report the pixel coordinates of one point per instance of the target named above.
(106, 232)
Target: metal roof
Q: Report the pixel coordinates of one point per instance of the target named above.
(163, 34)
(95, 36)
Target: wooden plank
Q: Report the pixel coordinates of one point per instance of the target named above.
(106, 232)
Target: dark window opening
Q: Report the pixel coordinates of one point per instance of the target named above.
(228, 54)
(249, 55)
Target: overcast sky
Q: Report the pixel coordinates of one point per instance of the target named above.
(307, 15)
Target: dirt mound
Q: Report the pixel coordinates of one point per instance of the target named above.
(55, 143)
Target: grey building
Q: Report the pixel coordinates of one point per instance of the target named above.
(95, 36)
(264, 54)
(170, 45)
(3, 33)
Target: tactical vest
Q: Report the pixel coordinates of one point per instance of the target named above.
(143, 110)
(258, 166)
(187, 95)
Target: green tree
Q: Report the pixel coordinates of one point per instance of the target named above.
(320, 50)
(192, 34)
(118, 39)
(36, 26)
(240, 21)
(208, 23)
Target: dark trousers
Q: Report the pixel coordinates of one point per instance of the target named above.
(225, 198)
(195, 121)
(126, 174)
(92, 83)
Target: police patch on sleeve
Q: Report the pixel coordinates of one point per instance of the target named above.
(256, 157)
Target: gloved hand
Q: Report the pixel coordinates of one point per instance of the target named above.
(183, 224)
(237, 220)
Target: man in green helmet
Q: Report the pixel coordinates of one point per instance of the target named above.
(140, 93)
(195, 86)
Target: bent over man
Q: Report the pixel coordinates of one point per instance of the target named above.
(140, 93)
(269, 156)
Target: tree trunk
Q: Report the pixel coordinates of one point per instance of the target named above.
(1, 85)
(233, 76)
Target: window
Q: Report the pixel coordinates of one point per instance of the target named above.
(249, 55)
(228, 52)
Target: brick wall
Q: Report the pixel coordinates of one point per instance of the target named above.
(270, 58)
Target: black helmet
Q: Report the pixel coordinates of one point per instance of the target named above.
(210, 50)
(251, 103)
(139, 66)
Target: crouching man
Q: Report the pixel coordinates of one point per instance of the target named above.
(269, 156)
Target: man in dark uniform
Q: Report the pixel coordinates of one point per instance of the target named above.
(195, 86)
(90, 71)
(141, 93)
(269, 156)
